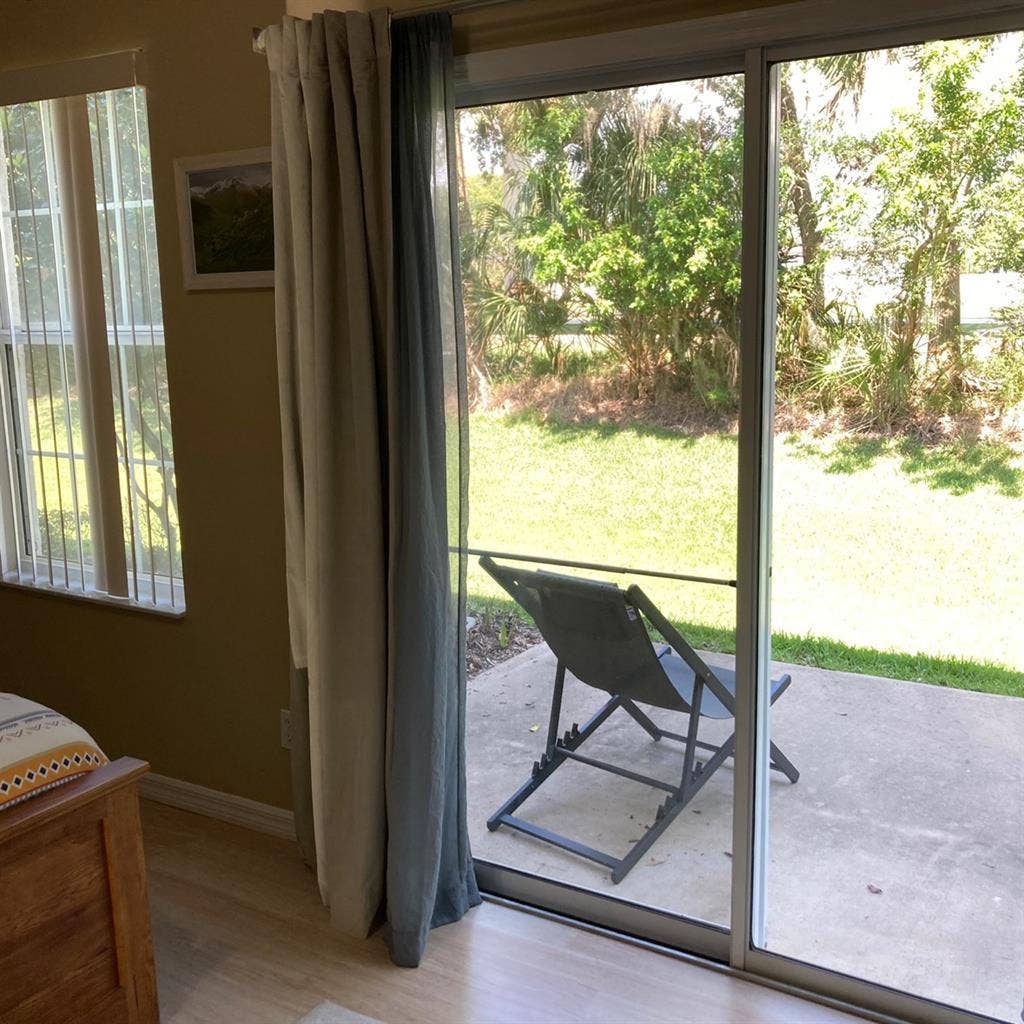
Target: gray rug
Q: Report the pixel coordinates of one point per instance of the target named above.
(332, 1013)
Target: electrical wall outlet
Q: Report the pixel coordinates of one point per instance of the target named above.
(286, 729)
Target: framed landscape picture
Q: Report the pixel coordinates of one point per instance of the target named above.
(226, 216)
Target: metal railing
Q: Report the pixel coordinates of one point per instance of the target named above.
(596, 566)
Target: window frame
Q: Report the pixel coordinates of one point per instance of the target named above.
(153, 591)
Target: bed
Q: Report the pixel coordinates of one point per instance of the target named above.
(74, 915)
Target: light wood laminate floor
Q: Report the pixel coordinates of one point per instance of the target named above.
(241, 938)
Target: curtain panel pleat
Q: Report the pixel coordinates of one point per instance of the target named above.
(373, 428)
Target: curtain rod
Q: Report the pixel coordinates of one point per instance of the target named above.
(454, 7)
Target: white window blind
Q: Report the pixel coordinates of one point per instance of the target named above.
(87, 489)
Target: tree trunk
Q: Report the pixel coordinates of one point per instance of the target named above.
(803, 197)
(946, 305)
(460, 171)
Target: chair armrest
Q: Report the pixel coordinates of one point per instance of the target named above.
(784, 682)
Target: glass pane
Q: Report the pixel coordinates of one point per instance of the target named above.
(149, 495)
(898, 536)
(30, 233)
(59, 483)
(47, 438)
(600, 239)
(45, 431)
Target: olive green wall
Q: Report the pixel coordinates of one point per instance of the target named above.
(199, 697)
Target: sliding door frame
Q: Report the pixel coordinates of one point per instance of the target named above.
(668, 929)
(752, 43)
(754, 491)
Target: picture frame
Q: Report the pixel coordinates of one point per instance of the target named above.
(225, 219)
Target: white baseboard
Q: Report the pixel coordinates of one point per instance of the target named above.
(236, 810)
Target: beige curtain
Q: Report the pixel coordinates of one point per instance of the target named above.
(332, 209)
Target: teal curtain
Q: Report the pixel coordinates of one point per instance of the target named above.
(430, 878)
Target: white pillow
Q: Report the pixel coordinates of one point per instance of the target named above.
(40, 749)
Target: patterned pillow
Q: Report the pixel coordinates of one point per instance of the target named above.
(40, 749)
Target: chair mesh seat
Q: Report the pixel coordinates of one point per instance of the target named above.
(683, 677)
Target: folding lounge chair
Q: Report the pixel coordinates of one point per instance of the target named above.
(597, 633)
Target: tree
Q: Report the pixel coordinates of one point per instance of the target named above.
(661, 250)
(513, 306)
(624, 212)
(803, 309)
(942, 173)
(620, 211)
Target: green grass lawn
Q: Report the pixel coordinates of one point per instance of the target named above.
(890, 558)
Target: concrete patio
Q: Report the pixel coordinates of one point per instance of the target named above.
(910, 789)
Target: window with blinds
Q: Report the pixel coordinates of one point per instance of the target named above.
(87, 491)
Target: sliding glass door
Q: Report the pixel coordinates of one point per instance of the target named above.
(897, 525)
(751, 343)
(601, 239)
